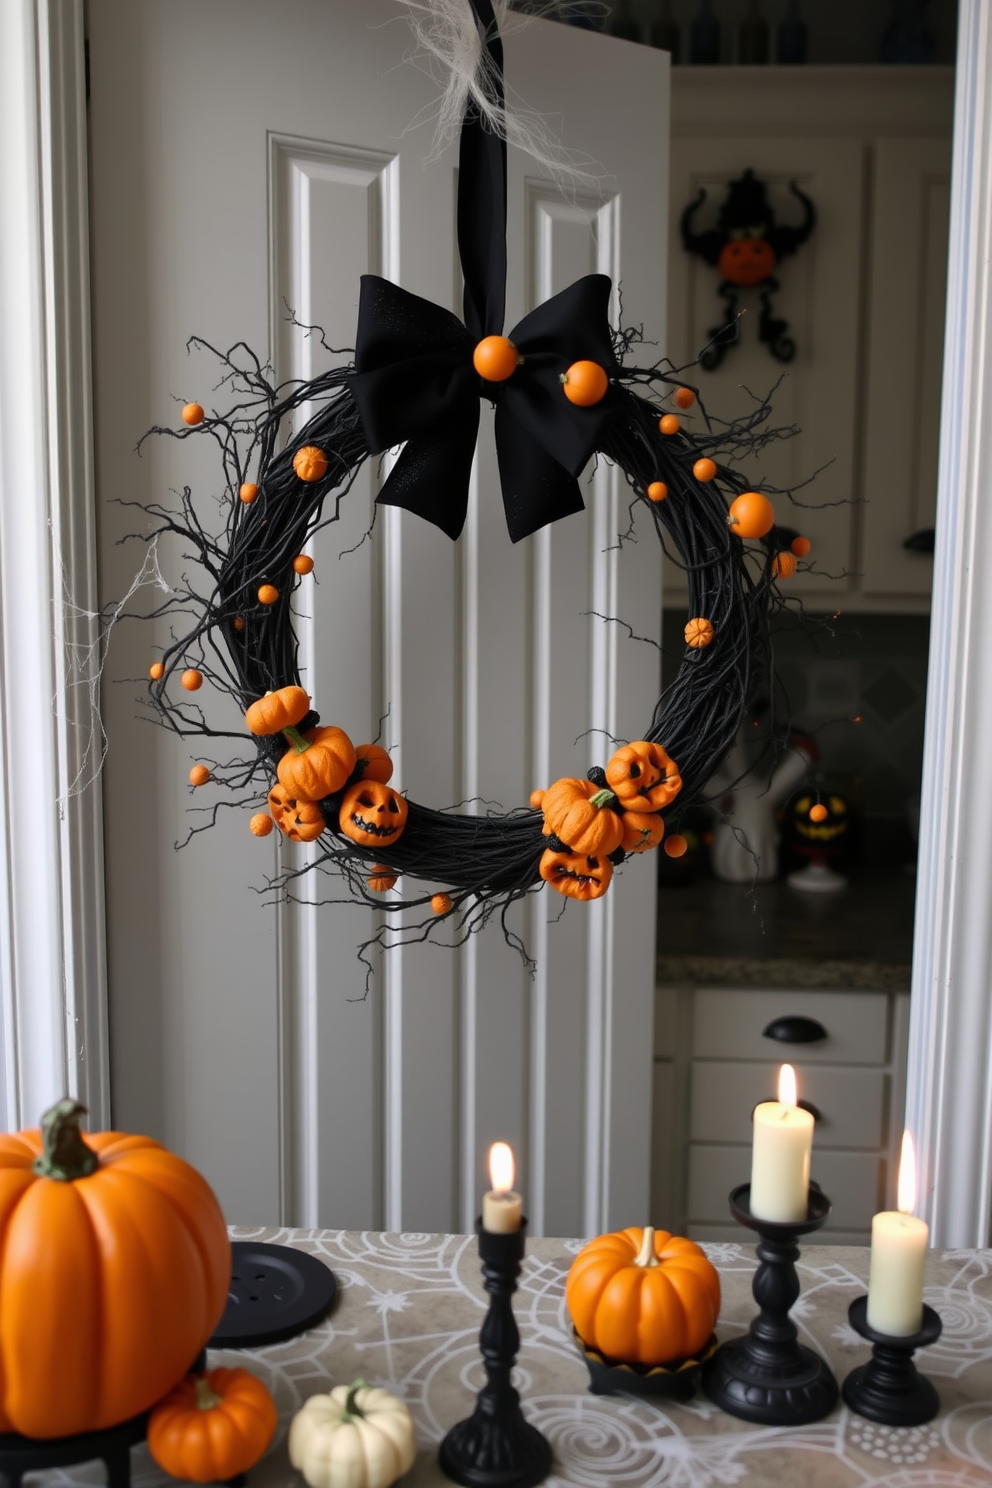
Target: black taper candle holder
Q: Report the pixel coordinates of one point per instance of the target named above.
(767, 1375)
(889, 1388)
(495, 1447)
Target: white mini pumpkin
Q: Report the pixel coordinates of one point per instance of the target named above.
(355, 1437)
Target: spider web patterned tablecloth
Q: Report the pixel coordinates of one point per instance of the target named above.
(408, 1318)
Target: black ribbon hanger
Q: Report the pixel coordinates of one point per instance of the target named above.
(415, 382)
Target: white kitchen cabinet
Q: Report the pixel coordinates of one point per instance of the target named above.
(714, 1062)
(864, 298)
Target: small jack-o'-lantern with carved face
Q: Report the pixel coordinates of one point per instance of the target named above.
(372, 813)
(643, 777)
(577, 875)
(301, 820)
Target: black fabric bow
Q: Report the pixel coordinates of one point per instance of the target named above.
(414, 381)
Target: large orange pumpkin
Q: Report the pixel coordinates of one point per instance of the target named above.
(114, 1271)
(580, 813)
(643, 1296)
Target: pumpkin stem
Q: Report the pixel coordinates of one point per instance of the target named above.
(64, 1156)
(602, 798)
(351, 1410)
(292, 733)
(206, 1396)
(646, 1256)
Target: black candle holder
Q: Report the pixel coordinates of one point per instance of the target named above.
(767, 1375)
(495, 1447)
(889, 1388)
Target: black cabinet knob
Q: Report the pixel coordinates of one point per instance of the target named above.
(795, 1029)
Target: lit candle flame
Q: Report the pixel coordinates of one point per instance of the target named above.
(787, 1092)
(501, 1167)
(906, 1186)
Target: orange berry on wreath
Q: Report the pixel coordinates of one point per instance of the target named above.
(261, 824)
(684, 397)
(536, 798)
(156, 671)
(783, 565)
(698, 632)
(199, 775)
(239, 622)
(585, 384)
(192, 680)
(669, 423)
(495, 358)
(676, 847)
(303, 564)
(704, 469)
(192, 414)
(800, 546)
(751, 515)
(441, 904)
(248, 491)
(310, 463)
(657, 491)
(818, 813)
(268, 594)
(381, 879)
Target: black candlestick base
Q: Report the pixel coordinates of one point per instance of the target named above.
(495, 1447)
(768, 1376)
(889, 1388)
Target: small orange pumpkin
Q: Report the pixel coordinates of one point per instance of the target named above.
(441, 904)
(643, 1296)
(192, 414)
(372, 762)
(156, 671)
(318, 764)
(676, 846)
(783, 565)
(267, 594)
(248, 492)
(698, 632)
(751, 515)
(577, 875)
(579, 813)
(261, 824)
(199, 775)
(372, 813)
(800, 546)
(536, 798)
(300, 820)
(642, 830)
(746, 261)
(643, 776)
(303, 564)
(191, 679)
(818, 813)
(495, 358)
(212, 1426)
(277, 711)
(704, 470)
(684, 397)
(669, 423)
(310, 463)
(381, 879)
(657, 491)
(585, 384)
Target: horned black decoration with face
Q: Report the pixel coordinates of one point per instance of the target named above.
(746, 245)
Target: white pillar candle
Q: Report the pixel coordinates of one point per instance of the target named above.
(502, 1209)
(780, 1155)
(898, 1253)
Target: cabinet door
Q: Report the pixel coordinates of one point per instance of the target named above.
(907, 293)
(819, 297)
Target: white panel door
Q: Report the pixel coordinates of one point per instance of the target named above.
(247, 157)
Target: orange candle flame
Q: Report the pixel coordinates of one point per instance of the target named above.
(501, 1167)
(906, 1185)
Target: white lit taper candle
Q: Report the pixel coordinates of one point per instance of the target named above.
(898, 1251)
(501, 1207)
(780, 1156)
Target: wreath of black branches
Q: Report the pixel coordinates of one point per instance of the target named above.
(245, 648)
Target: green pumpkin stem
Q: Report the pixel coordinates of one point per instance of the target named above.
(603, 798)
(206, 1397)
(292, 733)
(646, 1256)
(352, 1412)
(64, 1156)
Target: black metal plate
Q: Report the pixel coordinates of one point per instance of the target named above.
(276, 1293)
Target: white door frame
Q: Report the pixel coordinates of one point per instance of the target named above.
(52, 975)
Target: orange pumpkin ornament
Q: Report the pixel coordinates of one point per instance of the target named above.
(248, 492)
(704, 469)
(372, 762)
(191, 679)
(669, 423)
(192, 414)
(585, 384)
(239, 622)
(676, 846)
(642, 830)
(212, 1426)
(783, 565)
(199, 775)
(751, 515)
(536, 798)
(643, 1296)
(278, 710)
(698, 632)
(441, 904)
(495, 358)
(684, 397)
(579, 813)
(381, 879)
(114, 1268)
(261, 824)
(303, 564)
(267, 594)
(300, 820)
(372, 813)
(317, 764)
(818, 813)
(800, 546)
(657, 491)
(310, 463)
(577, 875)
(643, 776)
(156, 671)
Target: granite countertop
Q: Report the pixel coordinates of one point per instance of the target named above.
(771, 935)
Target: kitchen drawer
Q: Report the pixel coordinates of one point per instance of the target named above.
(853, 1181)
(728, 1024)
(851, 1101)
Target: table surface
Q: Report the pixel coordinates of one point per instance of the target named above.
(408, 1316)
